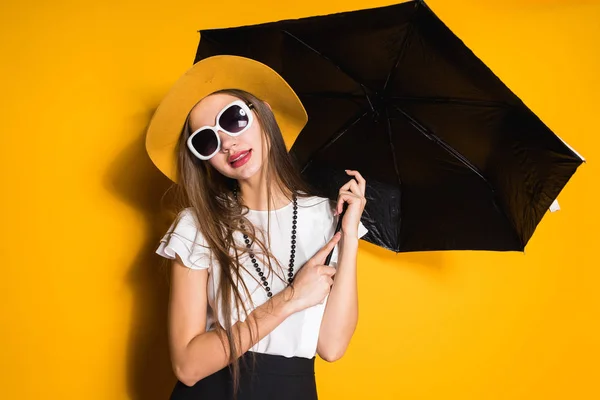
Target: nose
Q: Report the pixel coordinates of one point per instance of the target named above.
(227, 142)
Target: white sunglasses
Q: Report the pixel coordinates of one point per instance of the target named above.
(234, 119)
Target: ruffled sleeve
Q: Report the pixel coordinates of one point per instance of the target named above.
(184, 239)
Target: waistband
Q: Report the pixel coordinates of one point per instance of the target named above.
(277, 365)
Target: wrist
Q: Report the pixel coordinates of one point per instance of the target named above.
(349, 238)
(287, 303)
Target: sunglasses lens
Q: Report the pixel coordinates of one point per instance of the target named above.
(205, 142)
(234, 119)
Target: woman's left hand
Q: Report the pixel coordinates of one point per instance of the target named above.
(352, 193)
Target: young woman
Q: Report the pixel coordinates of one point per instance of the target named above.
(251, 302)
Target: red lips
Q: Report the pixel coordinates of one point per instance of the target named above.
(236, 155)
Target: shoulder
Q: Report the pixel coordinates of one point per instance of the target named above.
(185, 225)
(186, 214)
(323, 210)
(186, 218)
(317, 211)
(184, 239)
(315, 202)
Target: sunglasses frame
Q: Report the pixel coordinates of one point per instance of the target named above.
(247, 107)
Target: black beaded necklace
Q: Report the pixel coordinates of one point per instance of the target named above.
(292, 251)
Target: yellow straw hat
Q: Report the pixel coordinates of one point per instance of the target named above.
(207, 76)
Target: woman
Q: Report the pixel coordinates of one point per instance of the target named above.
(251, 302)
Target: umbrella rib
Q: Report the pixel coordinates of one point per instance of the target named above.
(355, 79)
(345, 128)
(332, 95)
(398, 58)
(446, 100)
(397, 170)
(354, 98)
(437, 140)
(392, 147)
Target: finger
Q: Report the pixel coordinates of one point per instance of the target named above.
(339, 207)
(321, 255)
(327, 270)
(348, 197)
(351, 186)
(356, 175)
(362, 183)
(348, 185)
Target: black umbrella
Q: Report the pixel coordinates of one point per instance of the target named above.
(453, 159)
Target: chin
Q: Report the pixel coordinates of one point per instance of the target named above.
(248, 171)
(245, 172)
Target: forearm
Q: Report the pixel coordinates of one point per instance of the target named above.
(341, 312)
(205, 354)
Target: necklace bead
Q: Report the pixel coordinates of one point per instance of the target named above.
(292, 250)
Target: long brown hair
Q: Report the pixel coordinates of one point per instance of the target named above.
(209, 195)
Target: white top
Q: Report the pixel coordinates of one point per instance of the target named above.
(297, 335)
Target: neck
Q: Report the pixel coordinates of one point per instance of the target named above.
(253, 193)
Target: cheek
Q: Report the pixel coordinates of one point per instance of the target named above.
(219, 162)
(254, 138)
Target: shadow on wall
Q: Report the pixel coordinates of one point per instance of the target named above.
(135, 180)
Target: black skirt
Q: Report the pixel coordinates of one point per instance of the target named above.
(271, 378)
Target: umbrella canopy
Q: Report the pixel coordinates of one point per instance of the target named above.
(453, 159)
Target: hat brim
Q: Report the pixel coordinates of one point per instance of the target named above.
(207, 76)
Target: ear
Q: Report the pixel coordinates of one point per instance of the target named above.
(268, 105)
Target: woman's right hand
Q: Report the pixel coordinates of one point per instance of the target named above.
(313, 281)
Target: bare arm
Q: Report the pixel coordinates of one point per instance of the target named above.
(341, 312)
(196, 353)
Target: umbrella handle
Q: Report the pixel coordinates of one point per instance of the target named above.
(337, 229)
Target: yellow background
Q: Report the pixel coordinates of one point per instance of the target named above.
(83, 301)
